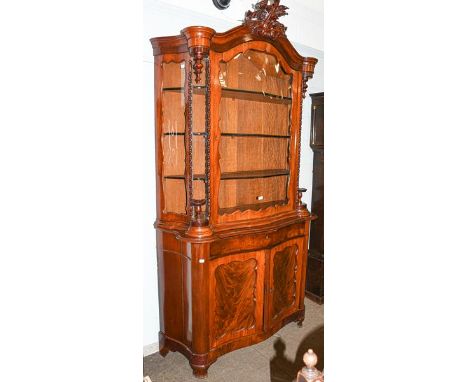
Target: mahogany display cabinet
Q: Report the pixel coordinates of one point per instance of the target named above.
(232, 231)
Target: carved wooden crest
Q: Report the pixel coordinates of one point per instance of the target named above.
(263, 20)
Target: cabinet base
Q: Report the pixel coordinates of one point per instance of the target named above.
(200, 372)
(198, 362)
(201, 362)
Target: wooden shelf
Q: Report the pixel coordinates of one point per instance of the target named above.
(176, 133)
(182, 177)
(255, 206)
(247, 135)
(238, 175)
(198, 89)
(253, 174)
(250, 95)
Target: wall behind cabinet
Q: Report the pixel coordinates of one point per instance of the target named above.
(167, 18)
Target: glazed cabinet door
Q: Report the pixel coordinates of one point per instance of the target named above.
(285, 279)
(255, 130)
(236, 296)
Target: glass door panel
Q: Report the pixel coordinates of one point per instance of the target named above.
(173, 142)
(255, 119)
(176, 137)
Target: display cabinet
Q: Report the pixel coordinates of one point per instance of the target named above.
(232, 231)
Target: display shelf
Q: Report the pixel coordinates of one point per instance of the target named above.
(198, 89)
(246, 135)
(242, 94)
(250, 95)
(254, 174)
(250, 135)
(175, 133)
(255, 206)
(238, 174)
(181, 177)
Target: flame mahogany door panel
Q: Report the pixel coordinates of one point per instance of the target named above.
(286, 263)
(236, 295)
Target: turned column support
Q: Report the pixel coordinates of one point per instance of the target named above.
(300, 191)
(199, 225)
(198, 42)
(301, 207)
(198, 218)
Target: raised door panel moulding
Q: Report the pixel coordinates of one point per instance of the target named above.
(284, 279)
(236, 297)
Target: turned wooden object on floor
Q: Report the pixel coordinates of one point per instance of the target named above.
(309, 372)
(231, 227)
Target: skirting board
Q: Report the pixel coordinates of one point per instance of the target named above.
(150, 349)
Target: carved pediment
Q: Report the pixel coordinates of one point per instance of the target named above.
(263, 20)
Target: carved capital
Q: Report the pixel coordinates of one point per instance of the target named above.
(198, 218)
(263, 20)
(198, 42)
(308, 67)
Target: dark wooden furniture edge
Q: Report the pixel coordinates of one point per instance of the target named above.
(314, 298)
(314, 256)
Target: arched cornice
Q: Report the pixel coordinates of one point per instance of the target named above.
(221, 42)
(260, 24)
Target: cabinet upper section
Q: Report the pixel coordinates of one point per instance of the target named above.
(228, 123)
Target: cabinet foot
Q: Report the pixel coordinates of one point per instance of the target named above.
(200, 371)
(163, 351)
(299, 323)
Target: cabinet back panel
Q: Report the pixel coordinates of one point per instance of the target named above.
(173, 74)
(173, 155)
(242, 192)
(176, 201)
(253, 153)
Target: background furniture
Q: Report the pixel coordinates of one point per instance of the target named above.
(232, 230)
(315, 259)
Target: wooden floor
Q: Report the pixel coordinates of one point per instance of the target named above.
(277, 359)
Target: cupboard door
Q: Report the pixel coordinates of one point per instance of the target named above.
(285, 279)
(236, 296)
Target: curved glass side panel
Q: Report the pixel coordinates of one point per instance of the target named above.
(255, 124)
(173, 140)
